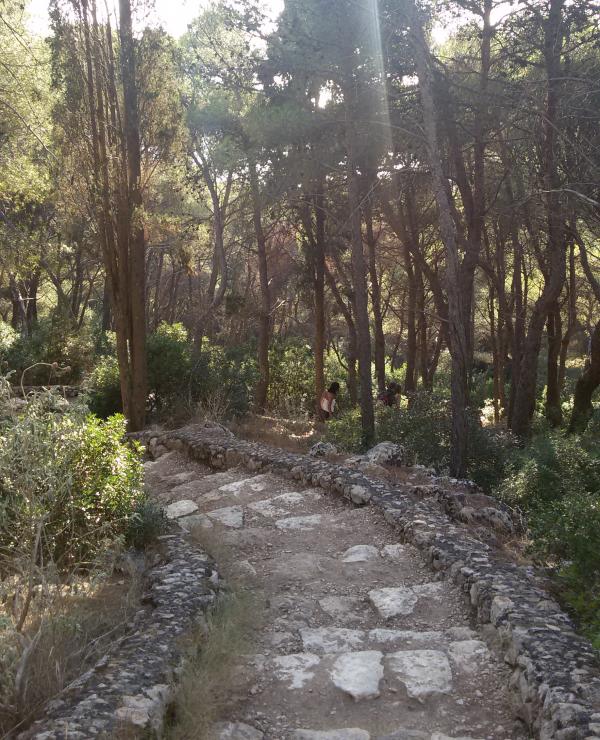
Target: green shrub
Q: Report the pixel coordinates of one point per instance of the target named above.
(53, 340)
(104, 388)
(146, 522)
(169, 363)
(292, 371)
(68, 483)
(345, 432)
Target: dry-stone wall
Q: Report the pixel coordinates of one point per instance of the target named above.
(130, 687)
(555, 671)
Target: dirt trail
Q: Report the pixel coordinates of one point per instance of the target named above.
(357, 639)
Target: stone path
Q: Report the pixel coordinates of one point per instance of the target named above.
(357, 639)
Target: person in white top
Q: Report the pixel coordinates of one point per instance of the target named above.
(327, 402)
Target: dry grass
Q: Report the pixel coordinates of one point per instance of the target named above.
(59, 643)
(295, 435)
(213, 651)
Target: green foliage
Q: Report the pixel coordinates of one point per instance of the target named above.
(8, 337)
(169, 363)
(556, 481)
(104, 388)
(292, 369)
(146, 522)
(68, 482)
(345, 431)
(51, 341)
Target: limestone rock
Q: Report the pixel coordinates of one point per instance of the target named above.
(360, 554)
(185, 507)
(393, 552)
(236, 731)
(386, 453)
(348, 733)
(468, 654)
(359, 674)
(404, 734)
(295, 668)
(323, 640)
(321, 449)
(299, 522)
(229, 516)
(393, 602)
(423, 672)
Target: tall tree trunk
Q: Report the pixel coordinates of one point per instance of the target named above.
(319, 293)
(264, 323)
(458, 328)
(571, 317)
(554, 334)
(586, 386)
(136, 238)
(359, 277)
(524, 404)
(379, 344)
(411, 324)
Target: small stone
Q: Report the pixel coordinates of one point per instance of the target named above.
(266, 508)
(360, 554)
(359, 674)
(180, 508)
(344, 607)
(321, 449)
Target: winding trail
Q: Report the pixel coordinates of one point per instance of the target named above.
(357, 639)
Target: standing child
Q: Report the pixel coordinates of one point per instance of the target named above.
(327, 402)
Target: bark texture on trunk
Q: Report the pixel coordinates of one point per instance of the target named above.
(264, 323)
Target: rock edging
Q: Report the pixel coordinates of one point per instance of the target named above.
(132, 686)
(555, 672)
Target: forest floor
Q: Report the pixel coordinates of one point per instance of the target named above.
(351, 637)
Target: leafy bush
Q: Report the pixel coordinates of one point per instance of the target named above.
(104, 388)
(556, 481)
(146, 522)
(292, 368)
(169, 363)
(422, 426)
(53, 340)
(68, 483)
(8, 336)
(178, 381)
(344, 431)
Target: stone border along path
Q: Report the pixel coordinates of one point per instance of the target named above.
(555, 678)
(130, 688)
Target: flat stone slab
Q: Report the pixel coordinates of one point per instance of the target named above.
(423, 672)
(359, 674)
(299, 522)
(255, 484)
(360, 554)
(323, 640)
(266, 508)
(229, 516)
(400, 601)
(468, 655)
(236, 731)
(180, 508)
(296, 668)
(291, 498)
(194, 520)
(348, 733)
(386, 636)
